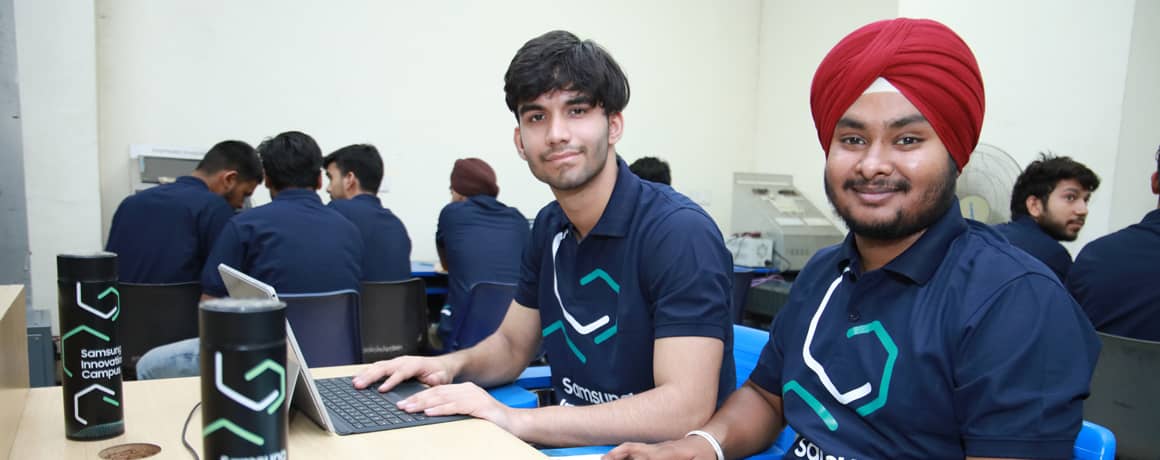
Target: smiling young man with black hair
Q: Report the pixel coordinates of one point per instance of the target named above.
(626, 283)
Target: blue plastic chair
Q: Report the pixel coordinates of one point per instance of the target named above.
(481, 315)
(1094, 443)
(326, 325)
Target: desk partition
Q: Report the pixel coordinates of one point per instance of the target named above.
(14, 365)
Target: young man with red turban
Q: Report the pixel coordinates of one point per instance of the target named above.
(923, 335)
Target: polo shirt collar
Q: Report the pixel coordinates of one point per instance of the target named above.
(192, 181)
(298, 194)
(1152, 218)
(368, 198)
(1029, 223)
(486, 201)
(918, 262)
(621, 205)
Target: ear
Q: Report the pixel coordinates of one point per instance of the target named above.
(1156, 183)
(229, 179)
(349, 181)
(615, 127)
(519, 141)
(1034, 206)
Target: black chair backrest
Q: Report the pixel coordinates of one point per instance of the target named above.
(326, 325)
(394, 319)
(486, 306)
(154, 315)
(1124, 395)
(741, 282)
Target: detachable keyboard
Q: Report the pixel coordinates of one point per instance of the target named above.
(363, 411)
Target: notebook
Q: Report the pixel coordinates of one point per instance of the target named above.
(333, 403)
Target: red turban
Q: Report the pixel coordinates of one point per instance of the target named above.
(472, 176)
(928, 63)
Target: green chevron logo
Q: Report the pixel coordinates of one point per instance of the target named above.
(601, 275)
(233, 428)
(64, 341)
(597, 274)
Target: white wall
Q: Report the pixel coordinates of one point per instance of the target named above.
(57, 67)
(423, 81)
(1054, 73)
(795, 36)
(1140, 127)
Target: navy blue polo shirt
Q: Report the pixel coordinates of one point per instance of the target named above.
(960, 346)
(1115, 278)
(1026, 234)
(387, 254)
(481, 239)
(293, 243)
(654, 266)
(163, 234)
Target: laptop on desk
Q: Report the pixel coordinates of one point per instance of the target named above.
(333, 403)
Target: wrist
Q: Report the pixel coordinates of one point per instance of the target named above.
(709, 439)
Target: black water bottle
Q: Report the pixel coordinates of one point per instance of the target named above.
(90, 355)
(243, 378)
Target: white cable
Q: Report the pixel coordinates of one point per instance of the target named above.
(712, 441)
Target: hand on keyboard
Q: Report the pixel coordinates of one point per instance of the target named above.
(431, 371)
(461, 398)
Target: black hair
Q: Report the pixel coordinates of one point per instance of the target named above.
(652, 169)
(233, 155)
(291, 160)
(558, 60)
(361, 159)
(1041, 177)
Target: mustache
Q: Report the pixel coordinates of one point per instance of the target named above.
(567, 148)
(876, 185)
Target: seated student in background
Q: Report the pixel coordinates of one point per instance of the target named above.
(478, 237)
(1049, 205)
(652, 169)
(1116, 278)
(163, 234)
(293, 243)
(355, 173)
(923, 335)
(628, 285)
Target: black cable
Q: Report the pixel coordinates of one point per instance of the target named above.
(185, 427)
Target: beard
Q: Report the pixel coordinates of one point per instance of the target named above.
(1056, 230)
(934, 204)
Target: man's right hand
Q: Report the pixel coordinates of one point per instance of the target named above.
(431, 371)
(690, 448)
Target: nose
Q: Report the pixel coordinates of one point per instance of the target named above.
(558, 131)
(876, 161)
(1081, 209)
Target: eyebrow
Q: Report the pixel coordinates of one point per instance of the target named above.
(850, 123)
(580, 100)
(529, 107)
(907, 120)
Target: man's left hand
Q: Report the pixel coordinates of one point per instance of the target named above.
(461, 398)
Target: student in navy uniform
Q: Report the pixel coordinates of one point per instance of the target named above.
(923, 335)
(1115, 277)
(1049, 205)
(294, 244)
(626, 283)
(355, 173)
(652, 169)
(163, 234)
(478, 238)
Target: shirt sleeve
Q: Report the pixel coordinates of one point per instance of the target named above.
(1023, 365)
(441, 227)
(767, 373)
(687, 275)
(527, 290)
(211, 225)
(228, 249)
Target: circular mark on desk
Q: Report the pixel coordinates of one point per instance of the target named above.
(130, 451)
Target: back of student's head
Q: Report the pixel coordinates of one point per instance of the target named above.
(652, 169)
(232, 155)
(361, 159)
(291, 160)
(559, 60)
(1041, 176)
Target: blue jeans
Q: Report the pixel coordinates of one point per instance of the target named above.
(178, 359)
